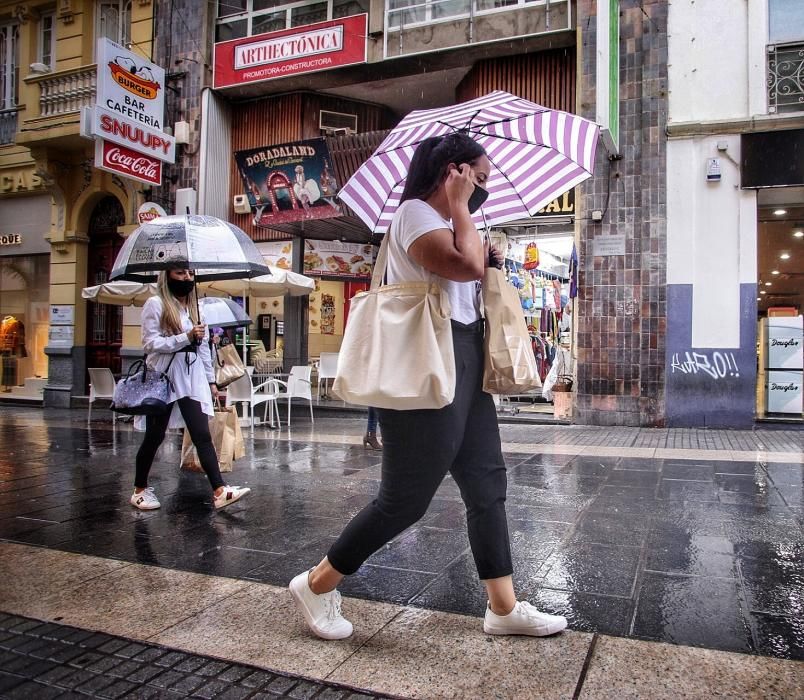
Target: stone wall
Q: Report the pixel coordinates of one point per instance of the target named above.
(622, 298)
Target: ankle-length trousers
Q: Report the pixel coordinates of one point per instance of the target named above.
(419, 448)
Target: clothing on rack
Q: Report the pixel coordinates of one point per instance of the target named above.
(12, 336)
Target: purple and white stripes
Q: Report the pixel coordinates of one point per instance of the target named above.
(536, 154)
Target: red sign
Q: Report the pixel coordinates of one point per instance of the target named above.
(123, 161)
(141, 138)
(306, 49)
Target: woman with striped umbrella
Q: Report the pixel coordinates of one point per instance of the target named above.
(427, 210)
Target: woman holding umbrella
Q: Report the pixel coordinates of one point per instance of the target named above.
(171, 330)
(432, 238)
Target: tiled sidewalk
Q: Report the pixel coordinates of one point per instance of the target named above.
(402, 651)
(618, 529)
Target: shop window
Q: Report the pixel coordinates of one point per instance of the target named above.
(9, 65)
(113, 21)
(239, 18)
(24, 318)
(47, 40)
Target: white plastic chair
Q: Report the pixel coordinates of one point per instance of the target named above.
(298, 386)
(327, 365)
(101, 386)
(243, 391)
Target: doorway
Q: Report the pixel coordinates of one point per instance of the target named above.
(780, 294)
(104, 321)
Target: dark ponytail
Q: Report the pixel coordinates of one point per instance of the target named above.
(429, 163)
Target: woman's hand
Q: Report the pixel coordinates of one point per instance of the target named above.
(459, 186)
(214, 389)
(196, 333)
(494, 256)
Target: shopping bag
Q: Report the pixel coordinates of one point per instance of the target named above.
(226, 438)
(509, 363)
(228, 365)
(397, 348)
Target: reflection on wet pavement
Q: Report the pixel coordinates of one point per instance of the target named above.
(702, 552)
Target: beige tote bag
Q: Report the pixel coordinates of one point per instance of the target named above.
(397, 348)
(509, 363)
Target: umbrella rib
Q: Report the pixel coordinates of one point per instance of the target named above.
(508, 180)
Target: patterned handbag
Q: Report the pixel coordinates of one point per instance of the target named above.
(143, 391)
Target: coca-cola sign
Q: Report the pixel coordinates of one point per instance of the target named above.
(127, 163)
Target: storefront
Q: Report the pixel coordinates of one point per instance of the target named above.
(24, 293)
(772, 165)
(541, 262)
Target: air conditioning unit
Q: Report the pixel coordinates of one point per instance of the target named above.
(337, 122)
(241, 204)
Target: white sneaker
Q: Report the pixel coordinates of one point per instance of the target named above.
(229, 495)
(322, 612)
(145, 500)
(523, 619)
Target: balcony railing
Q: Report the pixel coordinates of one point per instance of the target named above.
(786, 78)
(66, 91)
(8, 126)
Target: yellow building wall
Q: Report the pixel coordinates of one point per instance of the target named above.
(61, 165)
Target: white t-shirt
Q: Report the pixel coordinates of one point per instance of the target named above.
(413, 219)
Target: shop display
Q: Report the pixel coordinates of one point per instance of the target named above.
(784, 341)
(12, 348)
(12, 337)
(327, 314)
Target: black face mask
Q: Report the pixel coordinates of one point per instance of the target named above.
(180, 288)
(478, 198)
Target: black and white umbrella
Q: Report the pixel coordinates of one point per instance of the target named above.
(223, 313)
(212, 248)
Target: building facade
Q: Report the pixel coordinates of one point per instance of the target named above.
(64, 218)
(735, 246)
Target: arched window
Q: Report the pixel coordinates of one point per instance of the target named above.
(113, 21)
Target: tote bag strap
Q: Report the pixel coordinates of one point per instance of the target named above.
(381, 263)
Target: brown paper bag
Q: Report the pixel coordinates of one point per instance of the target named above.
(509, 362)
(226, 438)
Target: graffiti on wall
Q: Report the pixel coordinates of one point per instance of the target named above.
(717, 365)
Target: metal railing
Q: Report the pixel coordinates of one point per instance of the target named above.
(785, 78)
(8, 126)
(66, 91)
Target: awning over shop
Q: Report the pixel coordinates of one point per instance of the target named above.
(348, 152)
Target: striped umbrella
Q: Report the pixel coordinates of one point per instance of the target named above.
(536, 155)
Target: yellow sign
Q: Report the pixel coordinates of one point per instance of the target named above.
(560, 206)
(19, 181)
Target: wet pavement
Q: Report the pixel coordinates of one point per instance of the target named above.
(702, 551)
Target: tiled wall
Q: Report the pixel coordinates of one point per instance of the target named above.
(622, 298)
(184, 49)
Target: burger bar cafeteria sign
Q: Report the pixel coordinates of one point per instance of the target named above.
(307, 49)
(127, 120)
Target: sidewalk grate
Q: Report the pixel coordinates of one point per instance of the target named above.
(44, 660)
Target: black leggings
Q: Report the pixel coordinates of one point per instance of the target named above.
(419, 448)
(197, 425)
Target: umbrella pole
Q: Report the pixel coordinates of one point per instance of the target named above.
(245, 330)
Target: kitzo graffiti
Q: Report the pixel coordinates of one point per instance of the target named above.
(717, 365)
